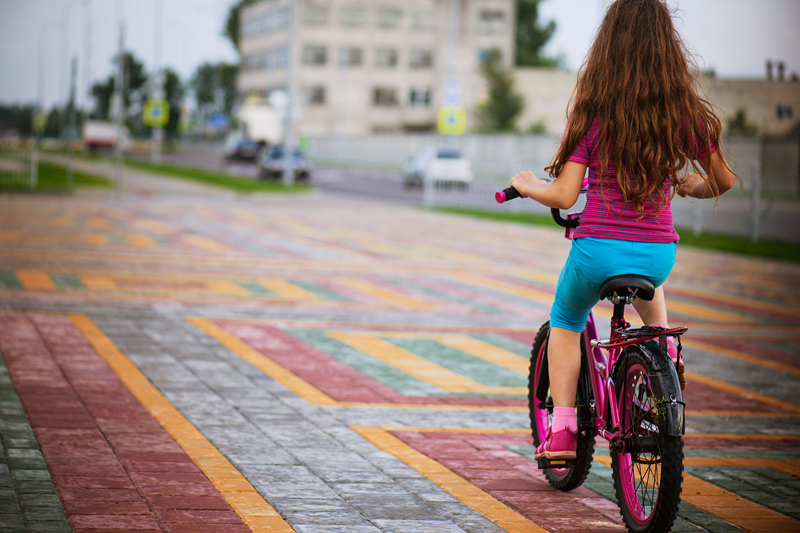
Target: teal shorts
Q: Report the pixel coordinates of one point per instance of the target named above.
(593, 261)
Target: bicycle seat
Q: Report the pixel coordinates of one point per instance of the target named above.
(627, 285)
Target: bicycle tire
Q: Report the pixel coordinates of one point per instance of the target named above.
(650, 503)
(564, 479)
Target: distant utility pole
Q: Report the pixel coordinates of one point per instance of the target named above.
(119, 103)
(71, 130)
(157, 89)
(288, 137)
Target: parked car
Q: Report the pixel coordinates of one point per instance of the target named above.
(272, 161)
(246, 150)
(437, 165)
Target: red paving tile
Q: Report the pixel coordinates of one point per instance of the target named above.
(113, 466)
(515, 481)
(339, 381)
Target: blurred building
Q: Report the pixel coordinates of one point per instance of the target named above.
(771, 105)
(364, 66)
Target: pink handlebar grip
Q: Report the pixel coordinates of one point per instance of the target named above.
(500, 196)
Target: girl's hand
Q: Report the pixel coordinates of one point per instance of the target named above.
(523, 182)
(693, 185)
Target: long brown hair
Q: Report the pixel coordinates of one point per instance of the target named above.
(636, 80)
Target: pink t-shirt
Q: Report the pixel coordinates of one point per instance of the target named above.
(611, 217)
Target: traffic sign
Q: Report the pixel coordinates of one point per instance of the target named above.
(156, 113)
(40, 122)
(452, 120)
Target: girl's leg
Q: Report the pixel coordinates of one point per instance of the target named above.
(564, 360)
(654, 311)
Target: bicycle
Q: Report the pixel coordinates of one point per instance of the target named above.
(630, 397)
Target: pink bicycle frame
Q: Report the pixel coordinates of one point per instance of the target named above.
(605, 396)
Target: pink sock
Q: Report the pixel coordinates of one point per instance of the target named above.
(671, 350)
(564, 418)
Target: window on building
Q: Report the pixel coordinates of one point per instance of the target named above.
(384, 97)
(315, 14)
(351, 56)
(423, 20)
(491, 21)
(389, 17)
(267, 59)
(264, 23)
(314, 54)
(420, 97)
(420, 59)
(315, 95)
(353, 16)
(386, 57)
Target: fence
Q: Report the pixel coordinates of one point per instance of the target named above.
(17, 169)
(767, 207)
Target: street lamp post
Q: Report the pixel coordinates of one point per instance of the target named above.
(157, 87)
(288, 138)
(40, 105)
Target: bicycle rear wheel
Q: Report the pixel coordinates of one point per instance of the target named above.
(540, 404)
(648, 471)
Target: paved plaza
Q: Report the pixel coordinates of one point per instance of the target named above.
(177, 358)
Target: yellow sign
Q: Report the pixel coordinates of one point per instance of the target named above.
(452, 120)
(156, 113)
(40, 122)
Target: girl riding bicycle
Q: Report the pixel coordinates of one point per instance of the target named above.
(636, 122)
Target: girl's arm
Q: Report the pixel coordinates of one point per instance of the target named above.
(561, 193)
(697, 186)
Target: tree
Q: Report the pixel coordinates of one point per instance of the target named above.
(503, 105)
(231, 30)
(17, 119)
(173, 93)
(531, 37)
(211, 80)
(135, 80)
(738, 125)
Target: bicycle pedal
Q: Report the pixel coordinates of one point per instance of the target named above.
(545, 463)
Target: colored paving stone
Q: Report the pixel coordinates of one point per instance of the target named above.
(191, 360)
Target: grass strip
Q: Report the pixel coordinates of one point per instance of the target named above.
(53, 177)
(217, 178)
(724, 243)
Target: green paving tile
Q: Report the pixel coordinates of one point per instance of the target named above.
(8, 280)
(11, 522)
(67, 281)
(445, 296)
(9, 507)
(522, 349)
(462, 363)
(255, 288)
(48, 526)
(320, 291)
(765, 454)
(378, 370)
(42, 513)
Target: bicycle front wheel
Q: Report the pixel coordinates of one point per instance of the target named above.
(648, 471)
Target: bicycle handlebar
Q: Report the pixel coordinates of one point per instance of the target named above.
(511, 193)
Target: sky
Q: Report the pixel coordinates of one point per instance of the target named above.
(733, 37)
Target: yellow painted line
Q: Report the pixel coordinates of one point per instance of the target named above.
(98, 283)
(423, 429)
(226, 287)
(760, 414)
(154, 226)
(288, 379)
(740, 436)
(100, 223)
(740, 391)
(469, 345)
(199, 241)
(537, 275)
(254, 511)
(140, 241)
(727, 352)
(437, 406)
(35, 279)
(416, 366)
(382, 293)
(287, 289)
(787, 466)
(745, 303)
(95, 238)
(728, 506)
(515, 290)
(705, 313)
(502, 516)
(10, 236)
(488, 352)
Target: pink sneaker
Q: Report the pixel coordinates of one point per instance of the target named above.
(558, 445)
